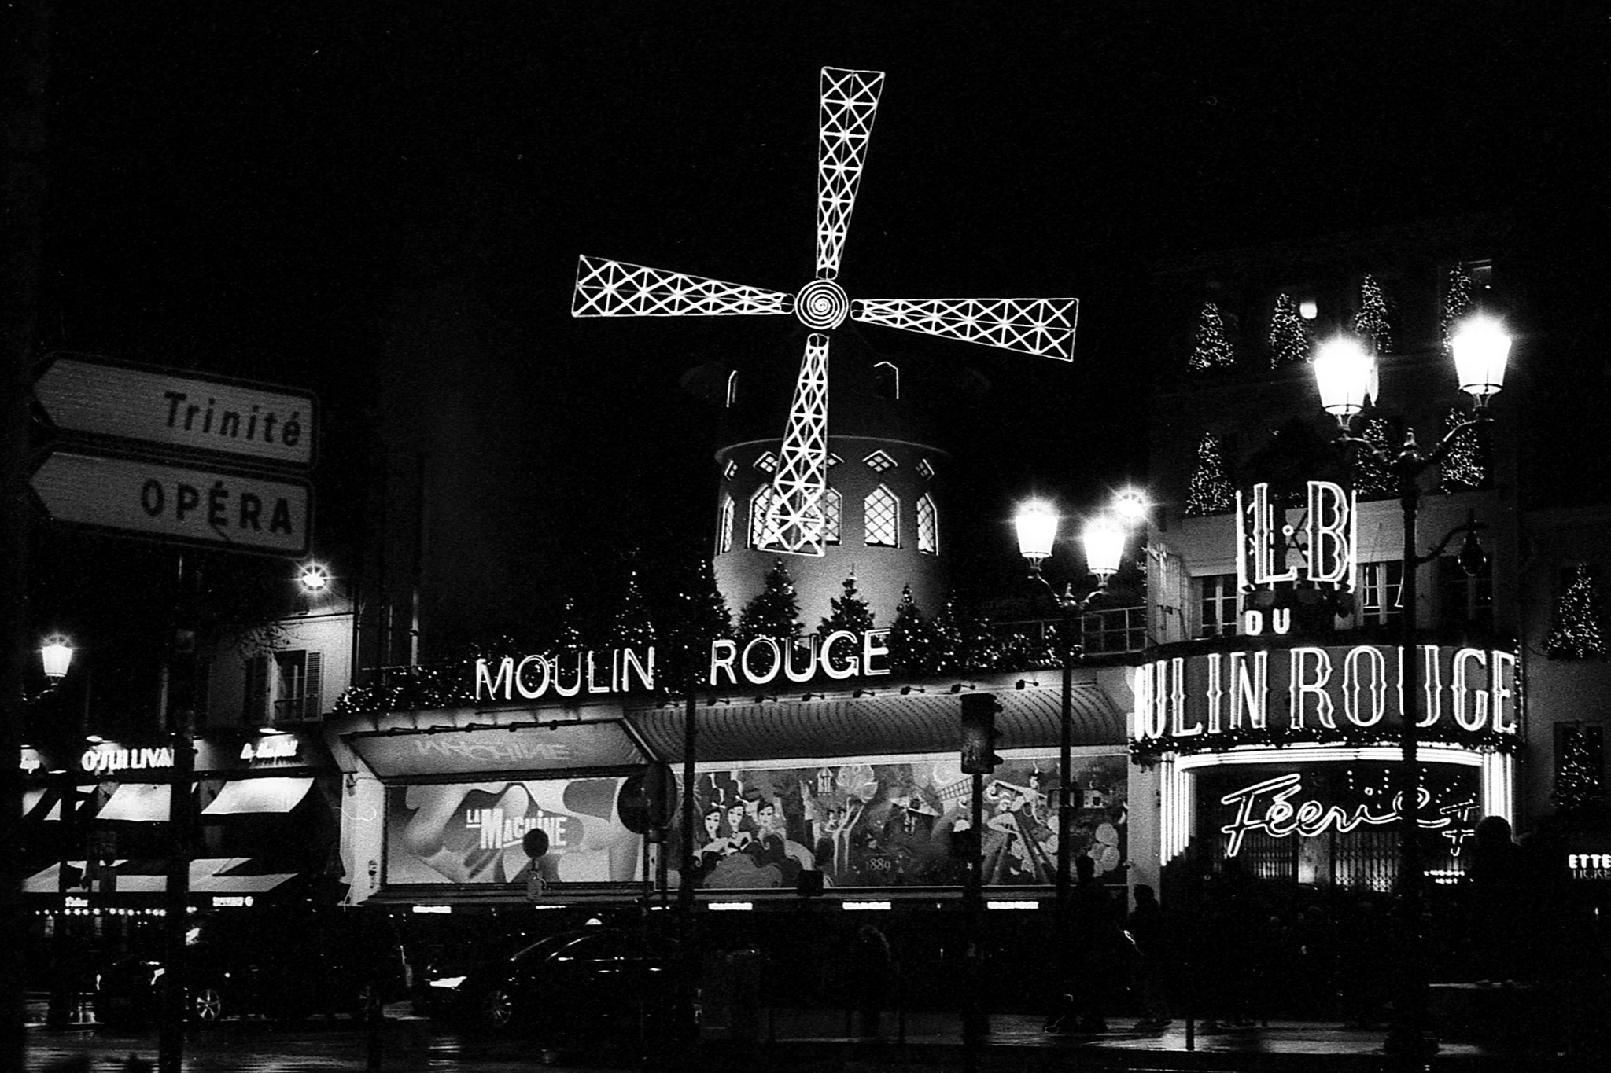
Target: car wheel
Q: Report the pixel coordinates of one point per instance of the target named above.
(206, 1005)
(498, 1008)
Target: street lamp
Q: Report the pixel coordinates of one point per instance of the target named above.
(1103, 538)
(313, 579)
(1346, 379)
(56, 657)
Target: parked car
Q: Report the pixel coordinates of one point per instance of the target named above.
(591, 986)
(280, 968)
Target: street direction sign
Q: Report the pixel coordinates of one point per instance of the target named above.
(174, 502)
(89, 395)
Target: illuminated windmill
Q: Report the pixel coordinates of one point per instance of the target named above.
(794, 521)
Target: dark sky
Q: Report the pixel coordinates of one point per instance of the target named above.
(384, 202)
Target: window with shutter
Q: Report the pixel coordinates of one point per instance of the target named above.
(255, 695)
(313, 696)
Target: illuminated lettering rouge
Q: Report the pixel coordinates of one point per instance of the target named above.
(1332, 690)
(760, 662)
(1270, 806)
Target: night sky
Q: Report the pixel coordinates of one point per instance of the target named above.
(385, 202)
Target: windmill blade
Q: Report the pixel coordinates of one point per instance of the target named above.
(849, 105)
(1043, 327)
(606, 288)
(794, 516)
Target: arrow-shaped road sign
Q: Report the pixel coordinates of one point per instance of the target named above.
(150, 499)
(86, 395)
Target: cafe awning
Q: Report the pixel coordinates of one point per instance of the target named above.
(34, 799)
(137, 802)
(265, 795)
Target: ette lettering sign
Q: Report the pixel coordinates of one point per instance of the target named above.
(209, 507)
(97, 398)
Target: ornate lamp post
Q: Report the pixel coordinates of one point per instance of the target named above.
(1103, 538)
(1346, 378)
(55, 657)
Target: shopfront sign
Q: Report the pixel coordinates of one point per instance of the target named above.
(1222, 699)
(759, 662)
(108, 759)
(1283, 807)
(1596, 866)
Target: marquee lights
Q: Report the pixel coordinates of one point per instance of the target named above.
(1218, 700)
(759, 662)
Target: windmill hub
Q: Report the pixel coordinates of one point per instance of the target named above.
(822, 304)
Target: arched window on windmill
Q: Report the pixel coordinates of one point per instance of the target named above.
(833, 512)
(724, 526)
(881, 518)
(760, 502)
(928, 526)
(887, 380)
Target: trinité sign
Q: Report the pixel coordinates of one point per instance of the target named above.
(762, 661)
(1218, 699)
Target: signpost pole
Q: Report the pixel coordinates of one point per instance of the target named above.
(182, 723)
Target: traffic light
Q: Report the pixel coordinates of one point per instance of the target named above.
(979, 733)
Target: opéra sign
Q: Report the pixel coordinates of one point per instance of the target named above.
(759, 662)
(1218, 699)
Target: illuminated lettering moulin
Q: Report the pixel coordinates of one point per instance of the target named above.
(1209, 699)
(759, 662)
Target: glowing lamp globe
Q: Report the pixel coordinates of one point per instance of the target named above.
(1345, 376)
(1481, 350)
(1131, 506)
(313, 578)
(1104, 545)
(1036, 523)
(56, 655)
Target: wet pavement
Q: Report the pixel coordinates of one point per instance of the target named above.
(782, 1040)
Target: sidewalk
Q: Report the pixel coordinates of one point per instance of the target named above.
(1018, 1041)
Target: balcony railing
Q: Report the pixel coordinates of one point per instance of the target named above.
(1109, 631)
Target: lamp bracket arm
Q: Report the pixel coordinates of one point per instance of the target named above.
(1468, 526)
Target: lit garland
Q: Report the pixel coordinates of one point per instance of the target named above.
(1212, 349)
(1371, 321)
(1148, 751)
(1289, 335)
(1577, 629)
(1211, 491)
(1465, 467)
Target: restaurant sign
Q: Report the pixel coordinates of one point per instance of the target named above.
(1218, 700)
(758, 662)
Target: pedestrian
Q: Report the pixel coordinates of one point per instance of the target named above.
(1098, 936)
(1151, 951)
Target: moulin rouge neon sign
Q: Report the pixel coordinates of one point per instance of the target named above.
(1199, 701)
(1276, 807)
(759, 662)
(1274, 549)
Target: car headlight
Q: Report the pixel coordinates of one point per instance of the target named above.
(445, 982)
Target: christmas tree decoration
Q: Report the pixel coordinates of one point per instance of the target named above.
(697, 615)
(911, 644)
(1211, 491)
(1579, 766)
(774, 611)
(795, 521)
(945, 634)
(570, 634)
(632, 627)
(1578, 626)
(849, 612)
(1371, 323)
(1289, 333)
(1458, 299)
(1212, 349)
(1467, 465)
(1372, 476)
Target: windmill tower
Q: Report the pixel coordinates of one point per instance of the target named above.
(798, 506)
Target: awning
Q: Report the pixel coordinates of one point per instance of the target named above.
(237, 876)
(514, 746)
(31, 799)
(48, 880)
(269, 794)
(878, 724)
(138, 802)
